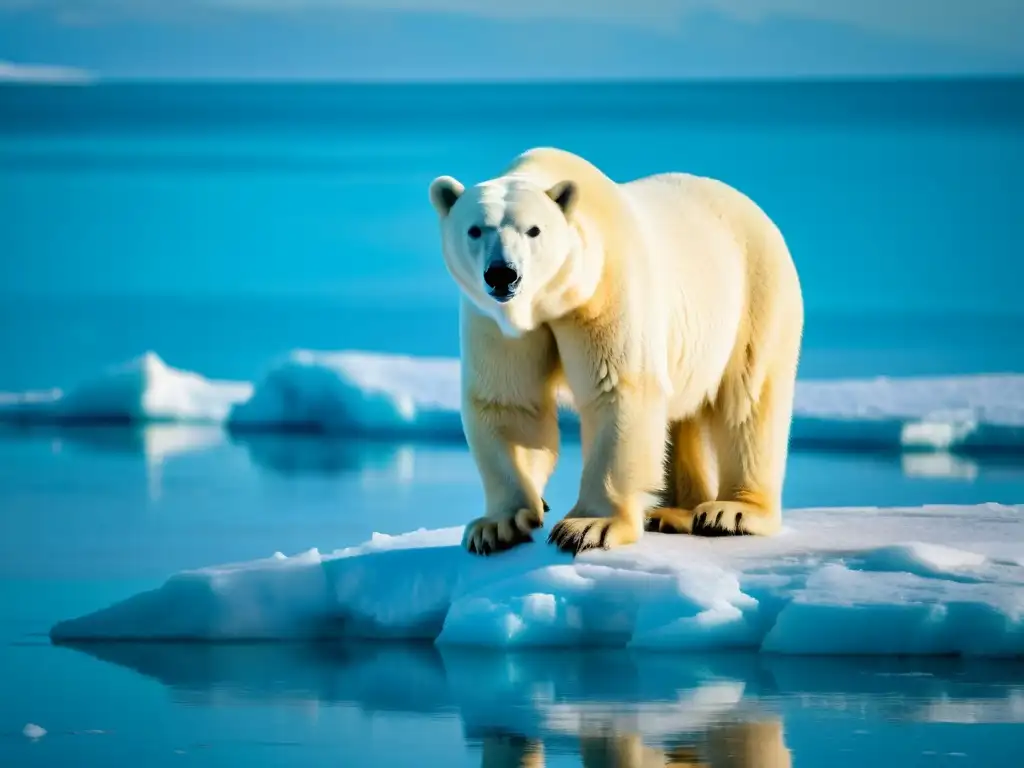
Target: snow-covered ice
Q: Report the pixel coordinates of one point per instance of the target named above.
(144, 389)
(379, 394)
(984, 412)
(356, 393)
(931, 581)
(401, 397)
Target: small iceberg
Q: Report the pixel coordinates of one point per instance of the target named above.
(144, 389)
(363, 394)
(919, 581)
(983, 413)
(356, 394)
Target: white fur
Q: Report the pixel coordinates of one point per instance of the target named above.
(661, 300)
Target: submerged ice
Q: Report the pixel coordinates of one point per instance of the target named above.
(933, 581)
(396, 396)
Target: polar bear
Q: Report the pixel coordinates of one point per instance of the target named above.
(669, 307)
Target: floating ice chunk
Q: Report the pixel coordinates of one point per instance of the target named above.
(361, 393)
(396, 396)
(865, 581)
(356, 393)
(982, 412)
(142, 390)
(278, 597)
(380, 394)
(846, 611)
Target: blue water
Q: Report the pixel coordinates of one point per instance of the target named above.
(221, 226)
(92, 516)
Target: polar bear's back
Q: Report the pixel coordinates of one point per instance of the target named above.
(701, 211)
(696, 234)
(680, 207)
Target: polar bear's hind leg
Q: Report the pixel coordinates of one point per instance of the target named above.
(687, 478)
(752, 465)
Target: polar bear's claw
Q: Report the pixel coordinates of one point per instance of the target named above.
(578, 534)
(714, 518)
(488, 535)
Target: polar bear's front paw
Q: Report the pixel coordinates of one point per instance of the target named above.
(487, 535)
(578, 534)
(715, 518)
(669, 520)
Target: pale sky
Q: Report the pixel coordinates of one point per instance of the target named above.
(482, 39)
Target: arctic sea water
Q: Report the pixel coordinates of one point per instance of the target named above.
(223, 226)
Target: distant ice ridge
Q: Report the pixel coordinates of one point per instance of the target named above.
(10, 72)
(362, 393)
(145, 389)
(982, 412)
(922, 581)
(396, 396)
(365, 393)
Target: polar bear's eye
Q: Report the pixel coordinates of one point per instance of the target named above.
(533, 232)
(474, 232)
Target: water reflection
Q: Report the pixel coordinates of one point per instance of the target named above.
(302, 455)
(319, 456)
(740, 744)
(153, 442)
(287, 456)
(939, 465)
(609, 708)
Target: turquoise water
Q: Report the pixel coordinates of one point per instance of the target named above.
(897, 197)
(94, 515)
(220, 226)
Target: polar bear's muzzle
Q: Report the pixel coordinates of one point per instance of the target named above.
(502, 280)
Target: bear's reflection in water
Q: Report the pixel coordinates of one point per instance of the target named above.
(605, 707)
(742, 744)
(610, 708)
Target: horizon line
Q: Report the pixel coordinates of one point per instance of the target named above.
(94, 79)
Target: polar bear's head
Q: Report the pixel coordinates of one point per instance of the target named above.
(511, 247)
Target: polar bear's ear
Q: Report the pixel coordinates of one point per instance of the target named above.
(444, 193)
(565, 194)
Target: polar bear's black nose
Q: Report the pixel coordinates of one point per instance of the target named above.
(501, 276)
